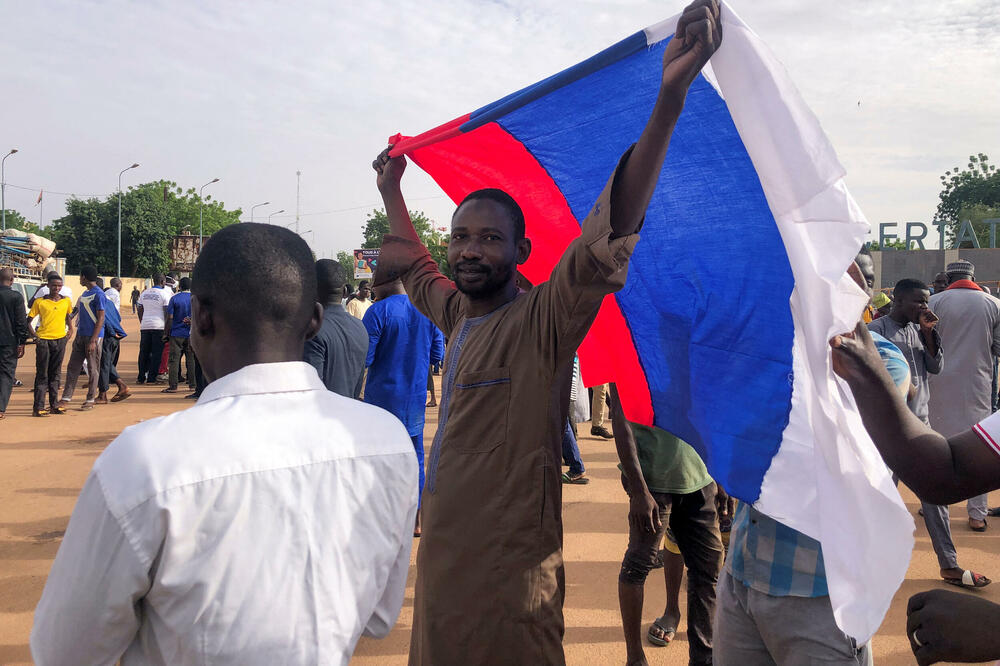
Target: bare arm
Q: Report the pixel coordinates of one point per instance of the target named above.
(938, 469)
(390, 171)
(643, 512)
(699, 33)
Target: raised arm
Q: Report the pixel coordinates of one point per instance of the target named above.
(642, 507)
(938, 469)
(699, 33)
(390, 172)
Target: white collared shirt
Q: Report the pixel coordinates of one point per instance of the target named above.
(270, 523)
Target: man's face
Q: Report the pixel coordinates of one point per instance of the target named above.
(483, 251)
(912, 303)
(364, 292)
(867, 267)
(55, 286)
(940, 282)
(83, 281)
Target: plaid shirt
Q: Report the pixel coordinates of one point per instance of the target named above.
(773, 558)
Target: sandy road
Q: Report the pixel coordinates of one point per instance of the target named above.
(43, 464)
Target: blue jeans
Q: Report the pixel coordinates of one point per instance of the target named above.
(571, 452)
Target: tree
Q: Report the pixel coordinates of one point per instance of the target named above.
(152, 213)
(17, 221)
(436, 241)
(346, 260)
(972, 194)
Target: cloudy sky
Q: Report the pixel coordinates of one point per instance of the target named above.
(251, 92)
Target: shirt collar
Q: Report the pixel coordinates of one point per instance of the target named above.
(964, 284)
(264, 378)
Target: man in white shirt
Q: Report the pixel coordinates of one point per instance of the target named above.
(229, 533)
(152, 319)
(114, 293)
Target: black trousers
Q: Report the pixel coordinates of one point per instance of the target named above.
(150, 353)
(109, 363)
(49, 356)
(693, 519)
(8, 365)
(199, 376)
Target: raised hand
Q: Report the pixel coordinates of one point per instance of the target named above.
(698, 36)
(389, 169)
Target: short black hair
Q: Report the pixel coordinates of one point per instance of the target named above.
(362, 285)
(52, 275)
(502, 198)
(158, 278)
(115, 281)
(330, 280)
(185, 283)
(89, 273)
(100, 282)
(279, 262)
(908, 284)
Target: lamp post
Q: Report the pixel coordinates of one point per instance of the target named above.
(270, 215)
(257, 206)
(308, 231)
(201, 220)
(3, 188)
(119, 273)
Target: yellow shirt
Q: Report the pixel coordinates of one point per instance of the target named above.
(53, 314)
(358, 307)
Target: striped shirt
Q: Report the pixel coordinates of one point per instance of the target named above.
(989, 431)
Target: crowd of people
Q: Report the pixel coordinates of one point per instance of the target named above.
(272, 521)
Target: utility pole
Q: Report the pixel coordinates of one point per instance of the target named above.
(298, 183)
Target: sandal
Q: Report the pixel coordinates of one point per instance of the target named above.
(579, 479)
(666, 635)
(977, 529)
(169, 390)
(970, 580)
(121, 395)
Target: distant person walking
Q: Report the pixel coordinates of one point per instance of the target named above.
(403, 344)
(114, 333)
(135, 298)
(55, 328)
(177, 330)
(13, 334)
(87, 345)
(338, 351)
(970, 334)
(152, 309)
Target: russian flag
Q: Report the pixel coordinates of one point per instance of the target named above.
(738, 282)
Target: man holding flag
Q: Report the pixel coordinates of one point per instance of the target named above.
(490, 577)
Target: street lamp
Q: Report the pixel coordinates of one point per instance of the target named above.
(3, 189)
(119, 273)
(270, 215)
(257, 206)
(308, 231)
(201, 223)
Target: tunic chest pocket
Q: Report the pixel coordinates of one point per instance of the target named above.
(478, 419)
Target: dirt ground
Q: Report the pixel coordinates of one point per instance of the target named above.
(43, 464)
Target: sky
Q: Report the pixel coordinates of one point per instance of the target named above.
(252, 92)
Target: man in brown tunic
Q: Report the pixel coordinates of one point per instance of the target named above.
(490, 579)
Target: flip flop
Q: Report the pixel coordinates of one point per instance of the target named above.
(969, 580)
(579, 480)
(118, 397)
(668, 634)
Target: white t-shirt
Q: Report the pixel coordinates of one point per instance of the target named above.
(112, 295)
(154, 303)
(43, 291)
(269, 546)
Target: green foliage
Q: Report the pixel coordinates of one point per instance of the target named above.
(436, 241)
(152, 213)
(891, 245)
(346, 259)
(973, 194)
(17, 221)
